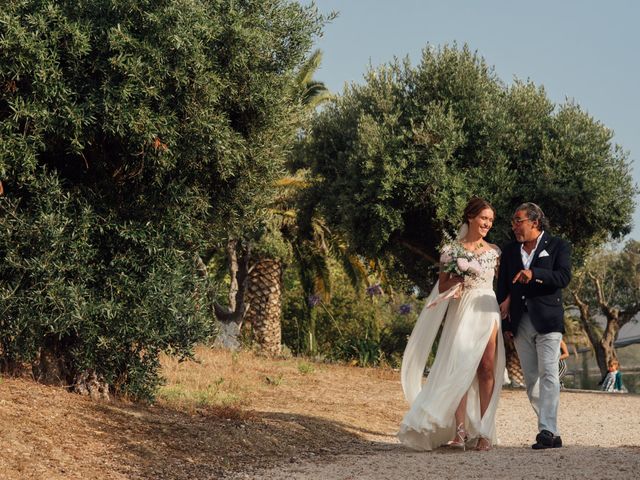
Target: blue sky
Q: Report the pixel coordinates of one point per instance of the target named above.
(585, 50)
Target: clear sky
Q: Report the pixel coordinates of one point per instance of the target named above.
(585, 50)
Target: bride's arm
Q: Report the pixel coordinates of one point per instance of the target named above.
(447, 280)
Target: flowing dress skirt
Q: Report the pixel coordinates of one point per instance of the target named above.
(468, 325)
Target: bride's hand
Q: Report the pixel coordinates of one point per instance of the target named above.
(449, 280)
(455, 279)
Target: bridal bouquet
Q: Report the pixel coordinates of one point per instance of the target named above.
(456, 260)
(459, 261)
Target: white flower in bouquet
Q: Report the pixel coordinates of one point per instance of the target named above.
(459, 261)
(456, 260)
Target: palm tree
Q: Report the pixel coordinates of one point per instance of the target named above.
(264, 297)
(266, 267)
(264, 289)
(314, 245)
(313, 92)
(310, 241)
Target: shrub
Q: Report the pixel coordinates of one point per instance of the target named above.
(136, 134)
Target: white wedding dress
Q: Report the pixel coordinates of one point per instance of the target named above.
(469, 321)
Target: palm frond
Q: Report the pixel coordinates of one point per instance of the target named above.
(356, 271)
(315, 274)
(312, 92)
(320, 231)
(305, 74)
(322, 279)
(316, 94)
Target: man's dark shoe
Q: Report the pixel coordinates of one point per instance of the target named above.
(546, 439)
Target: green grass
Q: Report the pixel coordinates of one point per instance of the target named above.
(211, 396)
(305, 368)
(274, 380)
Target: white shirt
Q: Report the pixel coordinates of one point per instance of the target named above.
(527, 257)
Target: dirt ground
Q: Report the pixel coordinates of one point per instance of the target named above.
(241, 416)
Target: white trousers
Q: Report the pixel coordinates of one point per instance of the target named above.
(539, 354)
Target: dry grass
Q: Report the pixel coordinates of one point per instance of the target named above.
(245, 382)
(222, 413)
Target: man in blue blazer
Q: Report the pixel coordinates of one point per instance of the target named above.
(533, 271)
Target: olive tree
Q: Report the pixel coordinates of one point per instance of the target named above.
(607, 286)
(398, 156)
(135, 137)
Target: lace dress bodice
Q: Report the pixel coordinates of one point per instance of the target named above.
(487, 259)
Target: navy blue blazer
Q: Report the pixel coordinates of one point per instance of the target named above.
(542, 296)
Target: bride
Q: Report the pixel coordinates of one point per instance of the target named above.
(457, 404)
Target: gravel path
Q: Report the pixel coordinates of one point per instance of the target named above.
(601, 433)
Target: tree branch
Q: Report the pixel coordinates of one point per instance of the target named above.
(417, 251)
(583, 308)
(239, 271)
(611, 313)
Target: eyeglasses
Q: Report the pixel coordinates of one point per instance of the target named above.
(515, 221)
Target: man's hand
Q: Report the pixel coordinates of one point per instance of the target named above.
(523, 276)
(504, 307)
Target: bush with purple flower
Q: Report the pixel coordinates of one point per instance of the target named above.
(405, 309)
(375, 290)
(313, 300)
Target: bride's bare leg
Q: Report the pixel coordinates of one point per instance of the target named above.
(460, 415)
(461, 411)
(486, 380)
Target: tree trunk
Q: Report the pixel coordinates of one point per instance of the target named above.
(604, 346)
(229, 319)
(91, 384)
(8, 363)
(606, 342)
(312, 340)
(616, 319)
(51, 366)
(228, 335)
(54, 367)
(585, 321)
(264, 297)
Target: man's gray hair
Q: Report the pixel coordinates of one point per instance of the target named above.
(534, 212)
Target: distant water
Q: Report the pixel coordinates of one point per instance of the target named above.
(631, 381)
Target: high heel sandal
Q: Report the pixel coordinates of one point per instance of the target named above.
(483, 445)
(460, 439)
